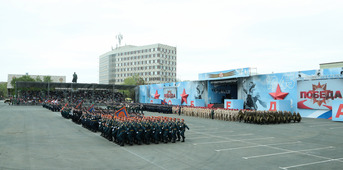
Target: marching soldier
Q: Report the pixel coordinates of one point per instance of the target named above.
(183, 127)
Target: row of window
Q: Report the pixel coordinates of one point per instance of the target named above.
(167, 68)
(152, 79)
(146, 74)
(146, 62)
(145, 51)
(145, 57)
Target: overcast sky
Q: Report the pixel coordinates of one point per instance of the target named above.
(60, 37)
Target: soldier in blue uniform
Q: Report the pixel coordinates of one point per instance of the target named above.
(183, 127)
(130, 132)
(147, 134)
(174, 129)
(165, 131)
(157, 131)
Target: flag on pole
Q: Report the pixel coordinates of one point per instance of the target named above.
(65, 106)
(91, 108)
(121, 112)
(164, 102)
(79, 105)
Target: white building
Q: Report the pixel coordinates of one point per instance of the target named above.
(55, 79)
(155, 63)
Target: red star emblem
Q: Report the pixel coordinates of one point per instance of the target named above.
(184, 96)
(156, 96)
(319, 88)
(278, 95)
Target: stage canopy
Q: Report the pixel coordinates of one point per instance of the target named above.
(46, 85)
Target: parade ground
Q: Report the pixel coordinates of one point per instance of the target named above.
(32, 137)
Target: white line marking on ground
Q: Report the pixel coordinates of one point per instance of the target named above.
(323, 125)
(316, 123)
(201, 137)
(281, 153)
(266, 146)
(143, 158)
(337, 127)
(304, 153)
(311, 163)
(197, 126)
(254, 146)
(254, 139)
(211, 142)
(221, 131)
(231, 140)
(192, 130)
(247, 134)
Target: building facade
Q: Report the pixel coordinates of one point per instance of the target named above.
(332, 65)
(154, 63)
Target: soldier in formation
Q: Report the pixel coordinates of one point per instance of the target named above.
(247, 116)
(53, 105)
(167, 109)
(90, 121)
(268, 117)
(209, 113)
(136, 130)
(65, 112)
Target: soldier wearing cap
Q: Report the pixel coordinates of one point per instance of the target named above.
(139, 128)
(122, 133)
(157, 131)
(165, 131)
(147, 134)
(175, 129)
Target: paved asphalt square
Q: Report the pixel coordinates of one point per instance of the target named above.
(32, 137)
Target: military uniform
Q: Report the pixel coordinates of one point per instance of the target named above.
(182, 128)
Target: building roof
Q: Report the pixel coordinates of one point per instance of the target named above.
(22, 84)
(337, 62)
(133, 47)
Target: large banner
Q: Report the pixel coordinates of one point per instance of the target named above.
(319, 94)
(169, 92)
(187, 93)
(234, 73)
(258, 91)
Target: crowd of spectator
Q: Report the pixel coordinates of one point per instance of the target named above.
(88, 96)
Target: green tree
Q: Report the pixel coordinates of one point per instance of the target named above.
(130, 81)
(47, 79)
(38, 79)
(3, 90)
(133, 80)
(23, 78)
(26, 78)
